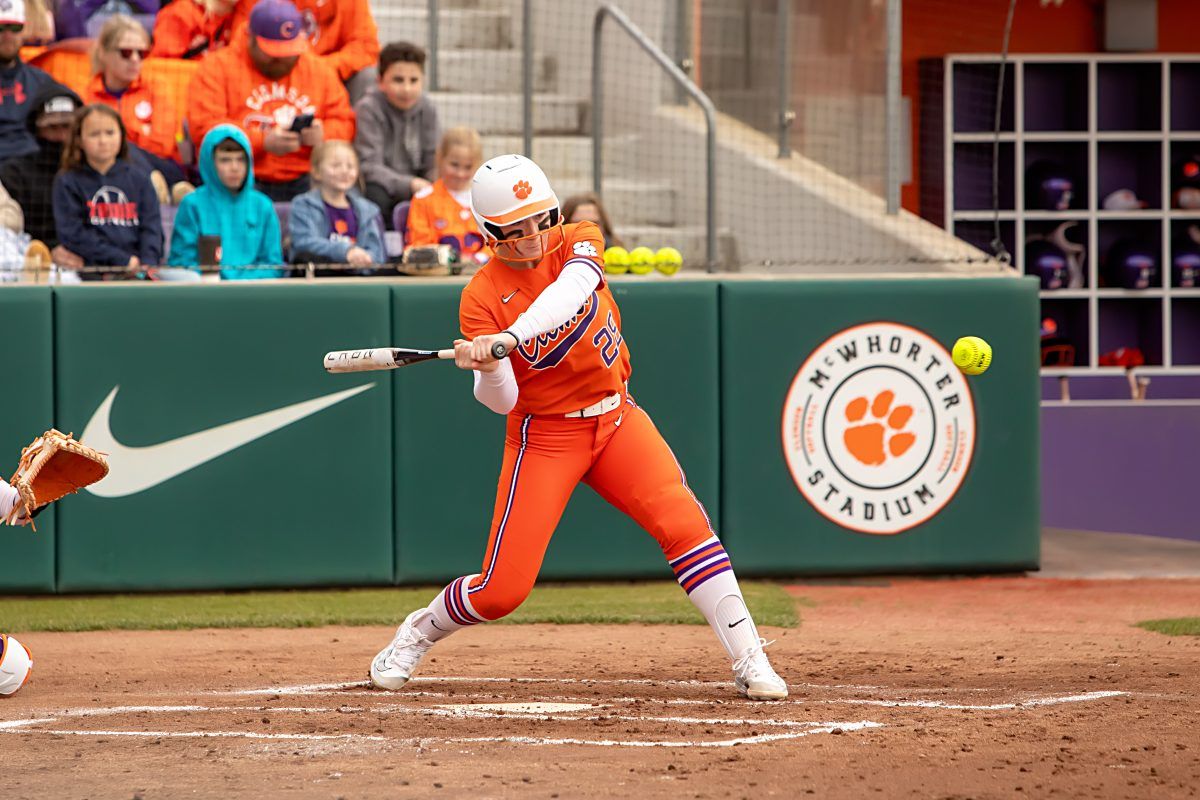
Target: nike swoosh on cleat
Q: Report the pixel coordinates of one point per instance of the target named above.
(136, 469)
(739, 622)
(510, 297)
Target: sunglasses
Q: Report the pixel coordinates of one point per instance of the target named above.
(128, 53)
(12, 27)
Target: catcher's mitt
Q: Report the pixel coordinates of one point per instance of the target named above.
(53, 466)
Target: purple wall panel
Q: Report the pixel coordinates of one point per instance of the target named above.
(1116, 387)
(1126, 469)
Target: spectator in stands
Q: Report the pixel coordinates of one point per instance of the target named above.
(398, 129)
(145, 107)
(269, 84)
(587, 207)
(104, 206)
(441, 212)
(191, 28)
(333, 224)
(19, 82)
(343, 35)
(11, 216)
(84, 18)
(29, 178)
(39, 23)
(241, 220)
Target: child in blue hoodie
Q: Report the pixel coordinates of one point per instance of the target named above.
(228, 207)
(105, 208)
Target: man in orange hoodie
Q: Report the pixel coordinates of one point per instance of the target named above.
(343, 35)
(269, 84)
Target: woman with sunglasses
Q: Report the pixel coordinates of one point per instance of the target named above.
(571, 420)
(150, 118)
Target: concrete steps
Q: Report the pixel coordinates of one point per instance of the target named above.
(496, 71)
(628, 201)
(501, 113)
(479, 84)
(385, 5)
(569, 157)
(459, 28)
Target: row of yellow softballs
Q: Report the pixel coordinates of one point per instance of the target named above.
(642, 260)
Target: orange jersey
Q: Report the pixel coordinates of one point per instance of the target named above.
(343, 32)
(228, 88)
(580, 363)
(151, 119)
(435, 217)
(183, 29)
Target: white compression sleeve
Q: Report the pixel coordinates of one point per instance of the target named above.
(558, 302)
(8, 499)
(498, 389)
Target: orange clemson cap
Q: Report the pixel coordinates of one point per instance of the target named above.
(278, 27)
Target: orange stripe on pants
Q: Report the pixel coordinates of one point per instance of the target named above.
(619, 454)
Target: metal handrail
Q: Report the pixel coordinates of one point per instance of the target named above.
(605, 11)
(783, 44)
(431, 63)
(527, 77)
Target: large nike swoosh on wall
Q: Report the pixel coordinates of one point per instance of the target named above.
(136, 469)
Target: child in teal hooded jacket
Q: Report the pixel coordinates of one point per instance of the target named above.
(228, 206)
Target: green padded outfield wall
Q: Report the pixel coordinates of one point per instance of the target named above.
(26, 410)
(449, 447)
(928, 471)
(236, 460)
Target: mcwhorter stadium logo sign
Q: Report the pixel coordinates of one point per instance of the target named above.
(879, 428)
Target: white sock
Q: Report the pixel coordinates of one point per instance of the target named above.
(450, 611)
(706, 575)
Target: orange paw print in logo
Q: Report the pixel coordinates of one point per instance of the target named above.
(522, 190)
(870, 440)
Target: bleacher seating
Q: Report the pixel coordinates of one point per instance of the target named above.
(400, 218)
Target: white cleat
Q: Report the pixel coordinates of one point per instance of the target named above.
(396, 663)
(754, 677)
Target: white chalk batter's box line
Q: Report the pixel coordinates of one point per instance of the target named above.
(334, 689)
(529, 710)
(564, 712)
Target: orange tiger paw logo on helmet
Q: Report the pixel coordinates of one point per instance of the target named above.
(522, 190)
(871, 441)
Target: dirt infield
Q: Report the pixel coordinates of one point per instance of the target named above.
(991, 687)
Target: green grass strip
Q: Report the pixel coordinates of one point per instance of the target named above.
(622, 603)
(1182, 626)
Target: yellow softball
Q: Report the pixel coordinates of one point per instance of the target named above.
(616, 261)
(641, 261)
(972, 355)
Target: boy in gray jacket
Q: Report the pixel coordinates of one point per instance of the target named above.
(398, 129)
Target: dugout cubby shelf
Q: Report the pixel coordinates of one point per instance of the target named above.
(1114, 123)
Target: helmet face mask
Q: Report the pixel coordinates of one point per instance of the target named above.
(548, 237)
(508, 191)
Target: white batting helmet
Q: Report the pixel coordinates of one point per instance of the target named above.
(16, 663)
(508, 189)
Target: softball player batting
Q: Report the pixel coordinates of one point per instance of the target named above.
(570, 419)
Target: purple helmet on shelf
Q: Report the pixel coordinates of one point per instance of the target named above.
(1048, 187)
(1185, 182)
(1185, 261)
(1046, 260)
(1131, 264)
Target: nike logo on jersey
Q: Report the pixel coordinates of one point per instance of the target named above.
(510, 297)
(739, 622)
(136, 469)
